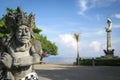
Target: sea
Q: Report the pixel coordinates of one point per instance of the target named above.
(54, 59)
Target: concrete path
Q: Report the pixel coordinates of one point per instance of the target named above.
(71, 72)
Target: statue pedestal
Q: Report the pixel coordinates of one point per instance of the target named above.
(109, 53)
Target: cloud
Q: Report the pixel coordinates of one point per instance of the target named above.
(102, 3)
(95, 45)
(100, 32)
(116, 25)
(68, 40)
(85, 5)
(117, 16)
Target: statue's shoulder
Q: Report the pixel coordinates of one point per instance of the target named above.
(36, 45)
(4, 42)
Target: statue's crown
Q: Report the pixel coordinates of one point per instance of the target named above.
(19, 18)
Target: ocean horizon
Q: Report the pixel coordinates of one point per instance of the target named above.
(59, 59)
(55, 59)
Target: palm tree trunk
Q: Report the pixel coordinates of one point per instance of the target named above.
(78, 54)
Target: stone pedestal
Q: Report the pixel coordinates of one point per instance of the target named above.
(109, 53)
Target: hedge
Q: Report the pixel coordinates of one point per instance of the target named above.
(100, 61)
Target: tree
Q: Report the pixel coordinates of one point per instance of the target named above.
(3, 29)
(47, 45)
(76, 37)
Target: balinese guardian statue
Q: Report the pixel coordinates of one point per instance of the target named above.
(18, 55)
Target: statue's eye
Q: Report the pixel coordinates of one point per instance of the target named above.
(20, 31)
(27, 30)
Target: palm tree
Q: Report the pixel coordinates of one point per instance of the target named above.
(76, 37)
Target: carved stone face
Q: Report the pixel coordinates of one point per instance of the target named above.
(23, 34)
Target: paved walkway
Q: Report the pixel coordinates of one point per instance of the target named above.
(71, 72)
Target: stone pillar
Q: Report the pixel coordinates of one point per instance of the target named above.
(109, 52)
(109, 46)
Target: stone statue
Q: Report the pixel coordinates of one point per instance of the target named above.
(109, 25)
(109, 52)
(18, 54)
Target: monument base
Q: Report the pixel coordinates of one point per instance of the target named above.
(109, 57)
(109, 53)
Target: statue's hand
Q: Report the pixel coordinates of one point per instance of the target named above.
(16, 62)
(107, 29)
(24, 61)
(6, 60)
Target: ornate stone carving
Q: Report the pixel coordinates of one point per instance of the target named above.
(18, 55)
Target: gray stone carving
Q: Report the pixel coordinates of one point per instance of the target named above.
(18, 54)
(109, 52)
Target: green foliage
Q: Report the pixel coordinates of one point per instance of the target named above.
(47, 45)
(12, 11)
(87, 61)
(3, 30)
(101, 62)
(36, 30)
(108, 62)
(76, 37)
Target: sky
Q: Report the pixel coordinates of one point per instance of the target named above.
(60, 19)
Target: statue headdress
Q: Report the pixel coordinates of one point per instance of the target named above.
(19, 18)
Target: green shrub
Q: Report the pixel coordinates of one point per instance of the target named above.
(108, 62)
(87, 61)
(100, 61)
